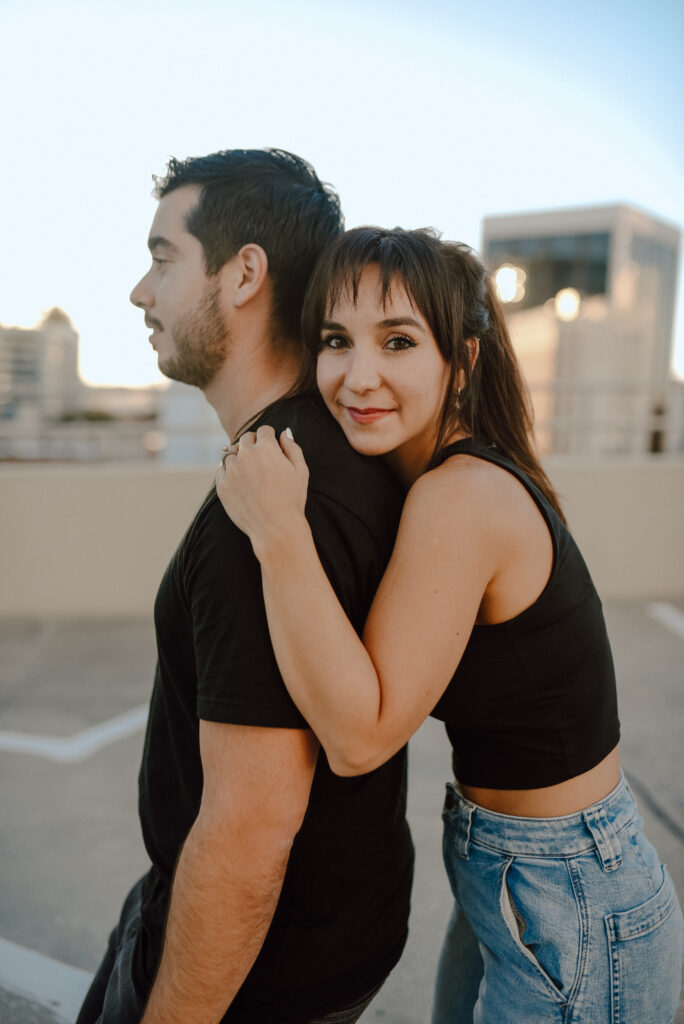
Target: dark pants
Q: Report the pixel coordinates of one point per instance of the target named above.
(112, 997)
(352, 1014)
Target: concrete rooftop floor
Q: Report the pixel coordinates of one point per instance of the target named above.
(70, 843)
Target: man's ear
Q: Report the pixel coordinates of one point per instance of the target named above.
(248, 272)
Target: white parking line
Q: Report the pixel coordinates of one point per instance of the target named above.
(667, 615)
(78, 747)
(42, 979)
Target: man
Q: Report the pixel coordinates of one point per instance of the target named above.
(278, 893)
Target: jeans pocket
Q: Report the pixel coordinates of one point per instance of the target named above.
(538, 905)
(449, 854)
(646, 958)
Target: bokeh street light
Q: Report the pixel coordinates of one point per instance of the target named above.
(510, 283)
(567, 304)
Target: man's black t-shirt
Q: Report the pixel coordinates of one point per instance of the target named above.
(341, 920)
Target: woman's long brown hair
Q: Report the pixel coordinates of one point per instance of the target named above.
(449, 285)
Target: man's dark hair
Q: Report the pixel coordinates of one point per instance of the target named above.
(268, 197)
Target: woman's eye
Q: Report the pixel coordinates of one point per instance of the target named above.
(158, 261)
(399, 343)
(334, 342)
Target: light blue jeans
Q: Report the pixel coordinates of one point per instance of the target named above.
(571, 920)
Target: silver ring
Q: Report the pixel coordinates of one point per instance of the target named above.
(229, 449)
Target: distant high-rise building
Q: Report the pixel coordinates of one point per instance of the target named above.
(48, 413)
(39, 369)
(589, 295)
(192, 430)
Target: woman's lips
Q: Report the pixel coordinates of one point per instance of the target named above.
(367, 415)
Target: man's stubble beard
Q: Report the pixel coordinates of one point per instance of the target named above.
(201, 341)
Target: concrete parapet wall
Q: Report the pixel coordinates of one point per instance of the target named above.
(627, 516)
(94, 540)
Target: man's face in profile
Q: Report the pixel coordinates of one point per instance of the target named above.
(181, 302)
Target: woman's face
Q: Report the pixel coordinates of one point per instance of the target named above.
(382, 375)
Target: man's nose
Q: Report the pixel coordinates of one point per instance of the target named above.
(362, 372)
(141, 296)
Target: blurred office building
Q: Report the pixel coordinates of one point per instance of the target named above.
(39, 370)
(48, 413)
(589, 295)
(191, 429)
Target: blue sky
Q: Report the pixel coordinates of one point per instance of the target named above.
(434, 113)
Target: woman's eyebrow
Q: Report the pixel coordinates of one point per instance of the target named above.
(401, 321)
(394, 321)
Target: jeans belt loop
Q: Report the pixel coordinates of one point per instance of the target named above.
(465, 818)
(605, 837)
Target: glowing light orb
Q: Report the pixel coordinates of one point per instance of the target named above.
(567, 303)
(510, 283)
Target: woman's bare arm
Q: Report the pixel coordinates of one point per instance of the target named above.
(364, 699)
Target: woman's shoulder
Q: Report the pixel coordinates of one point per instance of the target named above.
(465, 492)
(463, 477)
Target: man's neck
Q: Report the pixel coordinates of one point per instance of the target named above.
(251, 378)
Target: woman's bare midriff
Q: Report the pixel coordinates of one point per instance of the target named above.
(551, 801)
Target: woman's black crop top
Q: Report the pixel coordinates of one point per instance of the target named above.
(533, 702)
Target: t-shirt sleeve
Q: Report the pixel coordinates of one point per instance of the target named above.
(238, 680)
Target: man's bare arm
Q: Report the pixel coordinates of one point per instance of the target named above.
(231, 869)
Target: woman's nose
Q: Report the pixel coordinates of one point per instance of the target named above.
(362, 372)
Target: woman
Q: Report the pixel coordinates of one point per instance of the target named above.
(487, 618)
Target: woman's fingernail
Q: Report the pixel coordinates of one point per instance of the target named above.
(289, 434)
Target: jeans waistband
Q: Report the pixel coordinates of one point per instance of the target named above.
(596, 827)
